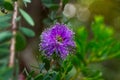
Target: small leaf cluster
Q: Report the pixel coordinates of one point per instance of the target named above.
(5, 37)
(6, 17)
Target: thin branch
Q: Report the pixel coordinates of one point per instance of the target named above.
(13, 41)
(60, 7)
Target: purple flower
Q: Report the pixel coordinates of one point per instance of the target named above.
(57, 39)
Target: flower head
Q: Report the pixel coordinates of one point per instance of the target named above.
(57, 39)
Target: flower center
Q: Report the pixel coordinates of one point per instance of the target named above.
(59, 38)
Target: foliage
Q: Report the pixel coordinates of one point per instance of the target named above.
(99, 47)
(6, 35)
(92, 46)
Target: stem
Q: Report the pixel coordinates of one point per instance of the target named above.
(13, 41)
(60, 7)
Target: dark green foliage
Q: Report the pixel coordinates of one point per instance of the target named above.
(5, 35)
(48, 76)
(47, 64)
(5, 21)
(5, 18)
(5, 73)
(50, 4)
(1, 2)
(6, 29)
(5, 6)
(20, 42)
(5, 45)
(38, 77)
(8, 5)
(26, 31)
(65, 1)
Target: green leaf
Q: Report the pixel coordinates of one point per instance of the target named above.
(4, 52)
(4, 25)
(54, 76)
(28, 32)
(47, 64)
(46, 77)
(71, 73)
(3, 61)
(5, 18)
(6, 72)
(82, 33)
(38, 77)
(69, 68)
(47, 21)
(30, 75)
(20, 42)
(4, 49)
(26, 1)
(5, 35)
(76, 61)
(1, 2)
(27, 17)
(5, 45)
(42, 66)
(50, 4)
(65, 1)
(100, 30)
(29, 1)
(8, 5)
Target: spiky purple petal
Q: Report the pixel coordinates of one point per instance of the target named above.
(58, 39)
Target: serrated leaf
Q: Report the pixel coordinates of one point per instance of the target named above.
(28, 32)
(20, 42)
(27, 17)
(5, 35)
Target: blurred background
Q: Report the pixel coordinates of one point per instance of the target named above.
(84, 12)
